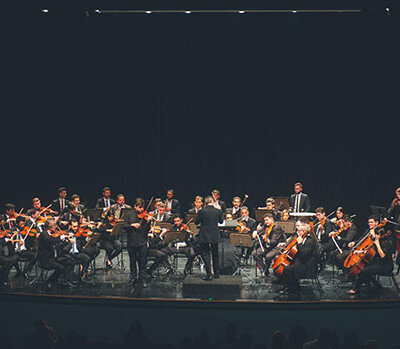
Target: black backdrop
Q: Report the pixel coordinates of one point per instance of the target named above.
(243, 103)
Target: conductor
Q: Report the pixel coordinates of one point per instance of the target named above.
(209, 236)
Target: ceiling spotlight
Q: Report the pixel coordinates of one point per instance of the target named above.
(148, 12)
(45, 10)
(294, 11)
(241, 12)
(188, 12)
(97, 11)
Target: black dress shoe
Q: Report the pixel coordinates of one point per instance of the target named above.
(208, 278)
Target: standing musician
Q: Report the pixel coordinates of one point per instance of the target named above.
(209, 236)
(299, 201)
(137, 230)
(218, 203)
(60, 205)
(172, 205)
(7, 261)
(270, 236)
(235, 209)
(105, 201)
(197, 204)
(109, 243)
(116, 209)
(382, 263)
(22, 243)
(303, 260)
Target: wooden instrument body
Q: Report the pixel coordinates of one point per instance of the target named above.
(286, 257)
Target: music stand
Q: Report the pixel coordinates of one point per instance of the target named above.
(191, 216)
(164, 225)
(94, 213)
(259, 214)
(241, 240)
(282, 203)
(287, 226)
(175, 236)
(117, 231)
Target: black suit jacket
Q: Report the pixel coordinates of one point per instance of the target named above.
(208, 218)
(193, 210)
(100, 202)
(47, 247)
(306, 253)
(305, 205)
(56, 206)
(175, 206)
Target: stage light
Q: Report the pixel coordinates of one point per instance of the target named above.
(294, 11)
(241, 12)
(188, 12)
(97, 11)
(45, 10)
(148, 12)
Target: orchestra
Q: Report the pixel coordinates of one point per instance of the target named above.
(63, 239)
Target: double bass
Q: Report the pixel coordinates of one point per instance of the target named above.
(363, 252)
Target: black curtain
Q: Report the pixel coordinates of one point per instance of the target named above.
(248, 104)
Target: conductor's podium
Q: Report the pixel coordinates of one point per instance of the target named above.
(225, 287)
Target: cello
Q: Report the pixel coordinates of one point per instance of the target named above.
(286, 256)
(363, 252)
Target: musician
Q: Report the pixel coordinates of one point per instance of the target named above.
(303, 260)
(173, 206)
(155, 249)
(137, 230)
(157, 201)
(299, 201)
(209, 236)
(76, 200)
(338, 219)
(48, 256)
(235, 209)
(69, 215)
(218, 203)
(382, 263)
(322, 230)
(162, 215)
(60, 205)
(109, 243)
(250, 225)
(22, 244)
(7, 260)
(285, 215)
(345, 240)
(197, 204)
(116, 209)
(186, 247)
(10, 215)
(105, 201)
(394, 209)
(270, 206)
(270, 235)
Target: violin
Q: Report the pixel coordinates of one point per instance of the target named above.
(146, 216)
(242, 228)
(363, 252)
(185, 227)
(28, 230)
(344, 227)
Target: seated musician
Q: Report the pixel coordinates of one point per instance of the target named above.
(116, 209)
(187, 247)
(218, 203)
(382, 263)
(76, 200)
(394, 208)
(156, 236)
(37, 205)
(345, 240)
(77, 252)
(49, 258)
(338, 219)
(235, 209)
(285, 215)
(270, 206)
(322, 229)
(303, 260)
(7, 260)
(60, 205)
(250, 225)
(68, 216)
(270, 236)
(106, 201)
(157, 201)
(172, 205)
(299, 201)
(162, 215)
(10, 215)
(197, 204)
(109, 243)
(22, 244)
